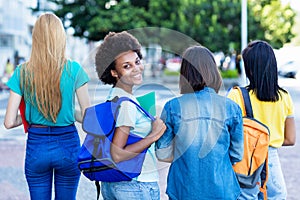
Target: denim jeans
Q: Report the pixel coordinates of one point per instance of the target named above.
(276, 188)
(51, 153)
(130, 190)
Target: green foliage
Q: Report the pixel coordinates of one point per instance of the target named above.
(274, 19)
(120, 17)
(230, 73)
(215, 24)
(170, 41)
(168, 72)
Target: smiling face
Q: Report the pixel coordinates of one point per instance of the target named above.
(128, 70)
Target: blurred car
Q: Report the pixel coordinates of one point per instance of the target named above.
(290, 69)
(173, 64)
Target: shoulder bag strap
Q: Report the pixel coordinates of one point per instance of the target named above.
(248, 105)
(121, 99)
(245, 99)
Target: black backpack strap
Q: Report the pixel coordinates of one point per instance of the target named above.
(98, 189)
(247, 102)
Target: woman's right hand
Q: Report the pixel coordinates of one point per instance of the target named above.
(158, 129)
(120, 151)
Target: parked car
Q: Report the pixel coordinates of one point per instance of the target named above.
(290, 69)
(173, 64)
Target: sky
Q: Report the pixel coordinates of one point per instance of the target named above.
(295, 4)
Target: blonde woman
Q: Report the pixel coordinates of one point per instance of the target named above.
(48, 82)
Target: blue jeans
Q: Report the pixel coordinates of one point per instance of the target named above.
(51, 153)
(130, 190)
(276, 188)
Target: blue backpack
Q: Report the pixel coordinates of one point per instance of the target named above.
(94, 159)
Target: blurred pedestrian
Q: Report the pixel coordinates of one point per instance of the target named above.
(9, 69)
(48, 83)
(273, 106)
(118, 63)
(7, 73)
(204, 135)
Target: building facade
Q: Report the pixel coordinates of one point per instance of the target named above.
(16, 22)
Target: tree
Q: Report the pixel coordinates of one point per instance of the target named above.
(275, 20)
(77, 15)
(93, 19)
(215, 24)
(120, 17)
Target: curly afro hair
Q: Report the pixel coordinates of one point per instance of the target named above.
(113, 45)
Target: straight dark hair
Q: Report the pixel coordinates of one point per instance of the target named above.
(261, 70)
(198, 69)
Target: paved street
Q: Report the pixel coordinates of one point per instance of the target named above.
(12, 145)
(289, 156)
(13, 185)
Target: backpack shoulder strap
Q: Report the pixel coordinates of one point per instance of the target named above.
(248, 105)
(245, 98)
(119, 100)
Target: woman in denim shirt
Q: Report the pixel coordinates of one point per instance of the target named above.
(204, 135)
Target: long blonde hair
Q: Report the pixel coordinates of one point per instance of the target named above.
(40, 76)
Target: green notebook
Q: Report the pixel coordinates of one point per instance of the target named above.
(147, 102)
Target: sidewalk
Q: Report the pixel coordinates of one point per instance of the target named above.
(13, 185)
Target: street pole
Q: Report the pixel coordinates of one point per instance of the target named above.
(244, 24)
(244, 39)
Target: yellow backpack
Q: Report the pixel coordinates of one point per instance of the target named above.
(252, 170)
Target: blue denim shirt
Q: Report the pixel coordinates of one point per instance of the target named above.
(205, 136)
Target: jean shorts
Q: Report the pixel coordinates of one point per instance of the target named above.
(125, 190)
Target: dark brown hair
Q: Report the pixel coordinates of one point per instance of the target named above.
(198, 69)
(113, 45)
